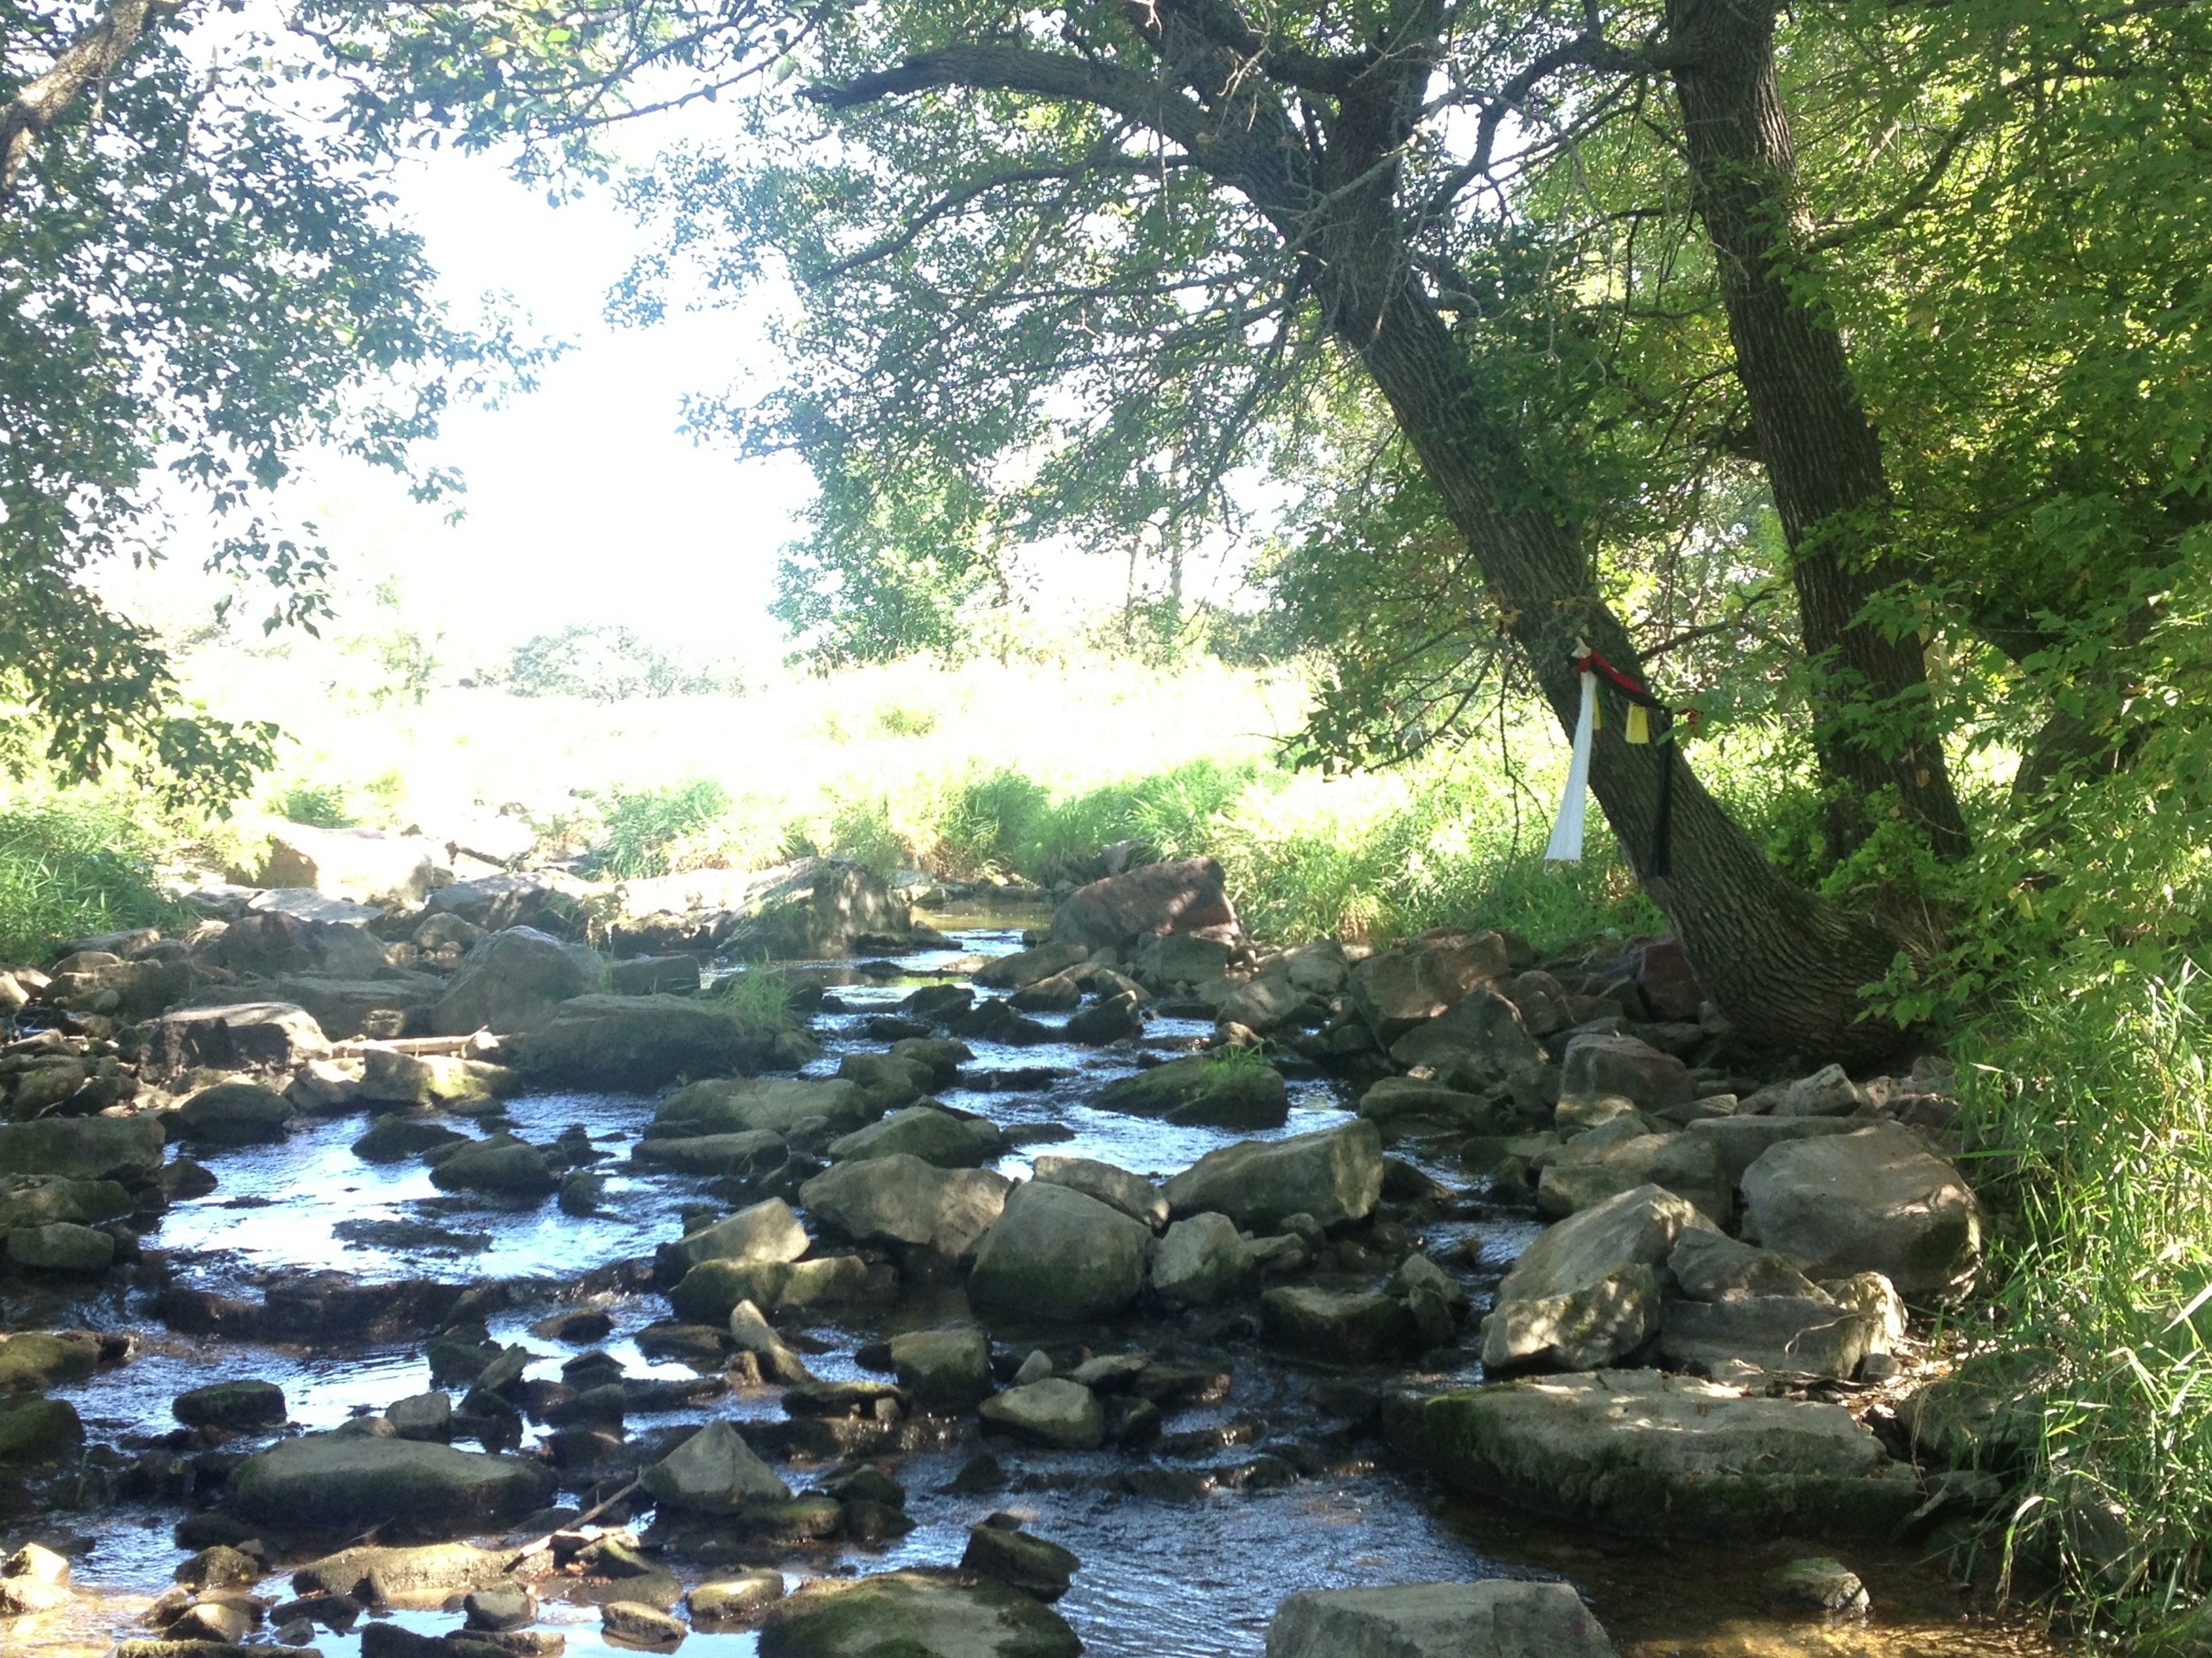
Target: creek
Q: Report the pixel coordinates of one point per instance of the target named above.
(1193, 1577)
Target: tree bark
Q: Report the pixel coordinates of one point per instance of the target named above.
(1785, 966)
(1873, 725)
(96, 53)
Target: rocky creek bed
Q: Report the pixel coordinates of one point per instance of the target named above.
(1015, 1301)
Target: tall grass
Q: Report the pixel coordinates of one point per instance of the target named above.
(71, 868)
(2089, 1121)
(647, 832)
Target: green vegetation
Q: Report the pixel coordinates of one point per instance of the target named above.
(74, 868)
(320, 804)
(644, 832)
(2090, 1113)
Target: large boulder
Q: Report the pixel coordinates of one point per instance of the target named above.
(233, 1114)
(1743, 1140)
(640, 1042)
(1480, 1043)
(1333, 1175)
(499, 1164)
(915, 1614)
(1875, 1200)
(126, 1148)
(1402, 1107)
(1189, 895)
(945, 1370)
(542, 898)
(46, 1199)
(1686, 1165)
(901, 1199)
(1414, 983)
(32, 1361)
(1054, 1253)
(1641, 1452)
(342, 1008)
(1218, 1091)
(1025, 968)
(263, 944)
(513, 981)
(1587, 1291)
(1623, 1067)
(1496, 1618)
(765, 1232)
(1201, 1261)
(272, 1035)
(342, 1482)
(369, 866)
(750, 1152)
(714, 1471)
(924, 1131)
(814, 907)
(1132, 1194)
(1339, 1326)
(778, 1104)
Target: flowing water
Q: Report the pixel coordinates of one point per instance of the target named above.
(1198, 1577)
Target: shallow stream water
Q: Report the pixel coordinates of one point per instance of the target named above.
(1199, 1579)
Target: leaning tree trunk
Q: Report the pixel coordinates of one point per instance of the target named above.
(1786, 967)
(1823, 458)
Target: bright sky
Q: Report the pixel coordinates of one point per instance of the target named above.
(585, 502)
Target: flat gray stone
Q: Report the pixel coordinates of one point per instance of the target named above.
(1874, 1200)
(1639, 1452)
(1497, 1618)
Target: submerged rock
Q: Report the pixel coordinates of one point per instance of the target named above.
(1637, 1451)
(1054, 1253)
(335, 1482)
(1334, 1175)
(945, 1370)
(714, 1471)
(1497, 1618)
(233, 1114)
(1064, 1415)
(1204, 1089)
(640, 1042)
(235, 1405)
(916, 1614)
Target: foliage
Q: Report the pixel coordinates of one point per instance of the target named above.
(2089, 1114)
(757, 996)
(197, 282)
(607, 663)
(70, 867)
(648, 832)
(320, 804)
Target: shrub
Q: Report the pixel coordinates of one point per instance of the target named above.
(69, 869)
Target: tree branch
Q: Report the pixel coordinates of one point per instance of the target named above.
(96, 52)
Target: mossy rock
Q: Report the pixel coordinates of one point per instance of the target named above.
(1205, 1090)
(642, 1043)
(39, 1431)
(913, 1614)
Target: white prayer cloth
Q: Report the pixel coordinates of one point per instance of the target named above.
(1566, 830)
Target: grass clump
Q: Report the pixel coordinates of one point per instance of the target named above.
(2089, 1121)
(319, 805)
(757, 997)
(649, 831)
(69, 869)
